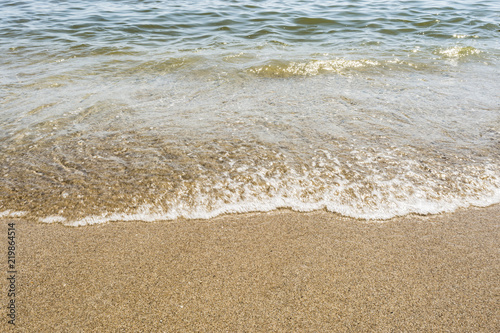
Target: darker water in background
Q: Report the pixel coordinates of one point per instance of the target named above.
(126, 110)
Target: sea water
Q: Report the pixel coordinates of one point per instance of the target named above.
(152, 110)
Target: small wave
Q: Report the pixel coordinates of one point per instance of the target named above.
(461, 36)
(308, 68)
(459, 52)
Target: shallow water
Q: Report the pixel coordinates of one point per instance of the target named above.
(144, 111)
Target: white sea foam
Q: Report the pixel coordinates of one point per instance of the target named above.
(12, 214)
(53, 219)
(369, 185)
(417, 203)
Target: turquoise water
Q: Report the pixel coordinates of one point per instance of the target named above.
(150, 110)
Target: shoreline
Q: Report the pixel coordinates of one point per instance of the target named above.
(277, 271)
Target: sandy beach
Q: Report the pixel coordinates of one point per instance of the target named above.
(275, 272)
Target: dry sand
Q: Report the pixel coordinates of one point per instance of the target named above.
(276, 272)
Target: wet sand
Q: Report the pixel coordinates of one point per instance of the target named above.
(275, 272)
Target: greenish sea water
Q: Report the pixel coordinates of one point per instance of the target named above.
(151, 110)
